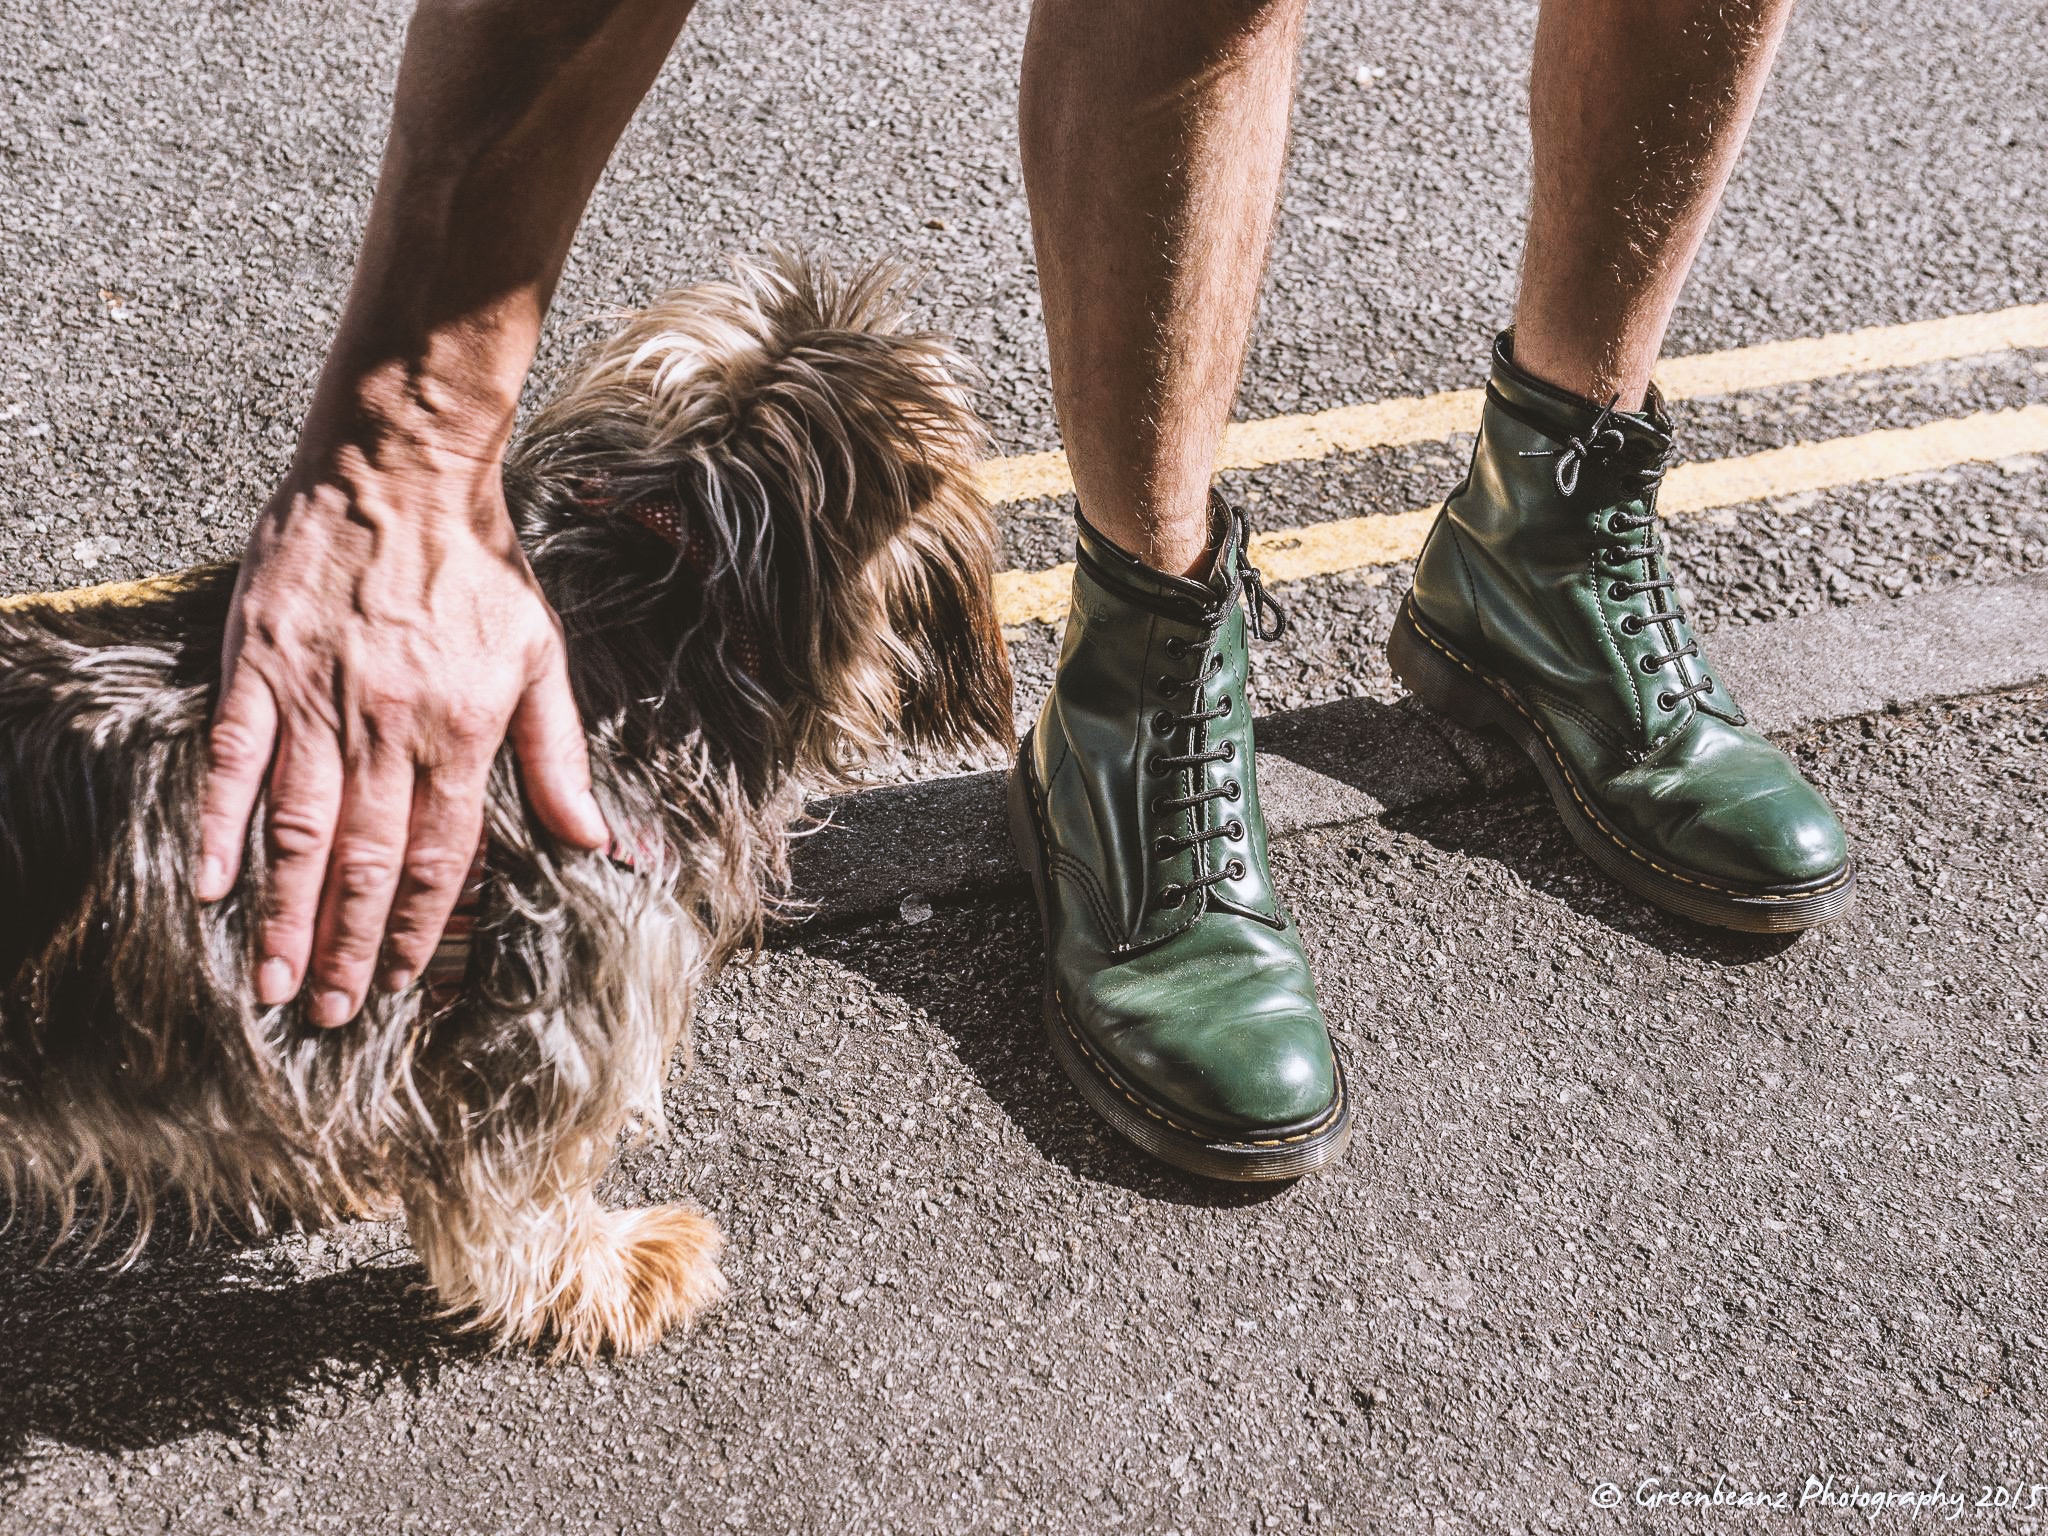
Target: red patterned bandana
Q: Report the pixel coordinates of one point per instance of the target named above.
(446, 971)
(665, 518)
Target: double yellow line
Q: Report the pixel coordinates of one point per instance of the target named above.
(1355, 543)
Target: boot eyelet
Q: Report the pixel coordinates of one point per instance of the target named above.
(1168, 687)
(1649, 664)
(1224, 705)
(1710, 685)
(1165, 848)
(1176, 647)
(1665, 701)
(1617, 591)
(1163, 723)
(1154, 765)
(1631, 625)
(1613, 554)
(1229, 751)
(1235, 869)
(1614, 524)
(1232, 790)
(1171, 896)
(1156, 805)
(1235, 831)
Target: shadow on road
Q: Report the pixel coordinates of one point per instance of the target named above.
(973, 966)
(1522, 833)
(210, 1337)
(974, 971)
(1380, 748)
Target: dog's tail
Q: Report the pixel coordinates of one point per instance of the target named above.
(799, 464)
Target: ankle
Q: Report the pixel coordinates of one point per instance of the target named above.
(1598, 373)
(1177, 539)
(1176, 550)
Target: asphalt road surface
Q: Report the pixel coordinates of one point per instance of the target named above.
(1629, 1203)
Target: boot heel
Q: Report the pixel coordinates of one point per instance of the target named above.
(1019, 796)
(1436, 680)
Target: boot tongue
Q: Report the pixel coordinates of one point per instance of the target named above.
(1563, 416)
(1157, 589)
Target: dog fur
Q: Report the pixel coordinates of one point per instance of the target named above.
(755, 511)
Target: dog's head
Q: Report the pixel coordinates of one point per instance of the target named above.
(771, 482)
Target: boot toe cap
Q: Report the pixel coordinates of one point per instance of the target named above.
(1785, 838)
(1726, 806)
(1229, 1056)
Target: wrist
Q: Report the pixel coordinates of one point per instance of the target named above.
(394, 445)
(455, 388)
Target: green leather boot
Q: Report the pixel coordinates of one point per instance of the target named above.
(1543, 605)
(1177, 996)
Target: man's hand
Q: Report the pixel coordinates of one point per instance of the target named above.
(385, 633)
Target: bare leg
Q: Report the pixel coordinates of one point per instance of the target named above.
(1637, 109)
(1153, 133)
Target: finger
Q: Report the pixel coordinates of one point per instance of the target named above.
(554, 765)
(305, 796)
(238, 747)
(447, 826)
(362, 877)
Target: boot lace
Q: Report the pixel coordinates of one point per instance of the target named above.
(1656, 577)
(1267, 620)
(1603, 438)
(1637, 481)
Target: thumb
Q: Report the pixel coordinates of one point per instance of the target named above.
(546, 735)
(238, 747)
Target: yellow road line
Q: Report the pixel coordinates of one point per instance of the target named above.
(113, 594)
(1361, 543)
(1428, 418)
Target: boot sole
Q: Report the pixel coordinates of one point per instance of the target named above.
(1453, 686)
(1260, 1160)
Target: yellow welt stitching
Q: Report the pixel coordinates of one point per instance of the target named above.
(1593, 815)
(1102, 1071)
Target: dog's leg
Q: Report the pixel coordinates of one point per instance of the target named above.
(565, 1271)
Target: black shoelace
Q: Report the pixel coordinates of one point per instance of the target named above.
(1649, 554)
(1602, 437)
(1267, 620)
(1639, 481)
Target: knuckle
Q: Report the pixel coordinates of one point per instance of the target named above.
(344, 960)
(287, 928)
(548, 651)
(436, 869)
(233, 748)
(297, 833)
(472, 726)
(412, 944)
(361, 877)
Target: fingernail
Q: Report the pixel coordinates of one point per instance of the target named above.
(274, 982)
(331, 1007)
(212, 877)
(396, 979)
(594, 827)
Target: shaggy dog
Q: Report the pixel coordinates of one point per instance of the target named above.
(755, 511)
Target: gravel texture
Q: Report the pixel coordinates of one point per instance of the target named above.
(180, 190)
(1627, 1200)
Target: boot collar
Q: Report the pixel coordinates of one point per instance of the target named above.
(1191, 600)
(1582, 429)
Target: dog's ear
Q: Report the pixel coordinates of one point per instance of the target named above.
(935, 582)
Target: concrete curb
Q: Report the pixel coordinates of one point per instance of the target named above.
(1334, 764)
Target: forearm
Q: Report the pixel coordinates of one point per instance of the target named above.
(506, 112)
